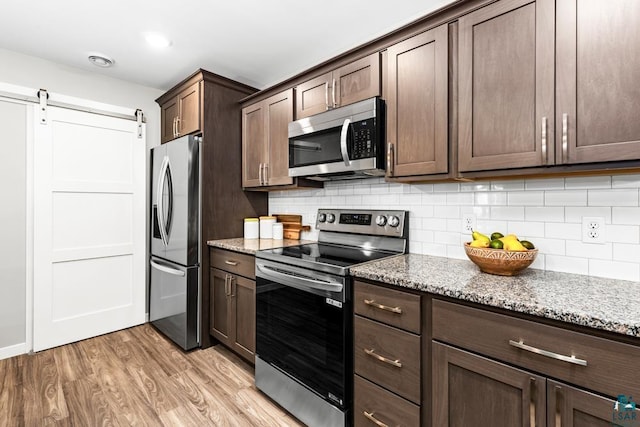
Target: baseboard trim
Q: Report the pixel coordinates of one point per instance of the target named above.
(13, 350)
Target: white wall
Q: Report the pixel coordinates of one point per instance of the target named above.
(547, 212)
(28, 71)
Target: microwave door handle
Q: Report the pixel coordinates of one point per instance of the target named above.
(343, 142)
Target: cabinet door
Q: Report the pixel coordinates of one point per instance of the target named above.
(313, 97)
(598, 70)
(220, 316)
(417, 100)
(469, 390)
(506, 85)
(168, 115)
(254, 147)
(572, 407)
(243, 308)
(279, 112)
(189, 101)
(356, 81)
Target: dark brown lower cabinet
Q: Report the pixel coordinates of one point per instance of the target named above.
(373, 404)
(471, 391)
(233, 319)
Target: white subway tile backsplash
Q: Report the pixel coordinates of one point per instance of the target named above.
(626, 181)
(614, 269)
(625, 216)
(511, 213)
(550, 214)
(546, 211)
(613, 197)
(587, 182)
(525, 198)
(565, 198)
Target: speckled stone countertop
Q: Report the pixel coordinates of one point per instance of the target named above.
(250, 246)
(607, 304)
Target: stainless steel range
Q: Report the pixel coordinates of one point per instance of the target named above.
(304, 345)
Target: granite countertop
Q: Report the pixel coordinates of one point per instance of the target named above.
(607, 304)
(250, 246)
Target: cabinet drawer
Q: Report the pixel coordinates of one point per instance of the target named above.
(388, 356)
(396, 308)
(372, 401)
(233, 262)
(610, 365)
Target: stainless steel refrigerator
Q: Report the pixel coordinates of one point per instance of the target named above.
(175, 288)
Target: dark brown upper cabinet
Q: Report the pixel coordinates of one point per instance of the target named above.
(506, 86)
(597, 77)
(345, 85)
(265, 141)
(416, 93)
(181, 114)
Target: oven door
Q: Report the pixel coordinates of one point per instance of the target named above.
(303, 327)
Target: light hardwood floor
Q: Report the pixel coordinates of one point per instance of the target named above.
(133, 377)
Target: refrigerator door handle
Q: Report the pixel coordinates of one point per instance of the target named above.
(169, 219)
(166, 269)
(159, 191)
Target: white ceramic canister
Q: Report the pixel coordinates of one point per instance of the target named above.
(251, 228)
(266, 226)
(278, 231)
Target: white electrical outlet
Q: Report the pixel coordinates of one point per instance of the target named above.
(593, 229)
(468, 222)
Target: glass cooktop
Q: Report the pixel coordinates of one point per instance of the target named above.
(336, 255)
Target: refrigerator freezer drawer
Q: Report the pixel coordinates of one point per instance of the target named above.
(174, 299)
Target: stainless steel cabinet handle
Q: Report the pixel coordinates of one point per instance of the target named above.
(266, 174)
(177, 126)
(227, 285)
(532, 401)
(166, 269)
(570, 359)
(343, 142)
(333, 93)
(544, 141)
(234, 263)
(390, 159)
(231, 294)
(373, 419)
(558, 408)
(372, 303)
(173, 127)
(565, 136)
(260, 174)
(372, 353)
(326, 94)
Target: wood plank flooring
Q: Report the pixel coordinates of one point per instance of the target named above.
(133, 377)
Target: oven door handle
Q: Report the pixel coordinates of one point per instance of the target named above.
(308, 282)
(343, 142)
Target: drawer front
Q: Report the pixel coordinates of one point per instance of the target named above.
(610, 366)
(388, 356)
(390, 306)
(372, 402)
(233, 262)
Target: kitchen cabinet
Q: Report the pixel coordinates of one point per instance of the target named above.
(511, 362)
(597, 75)
(506, 86)
(265, 141)
(233, 301)
(416, 93)
(387, 356)
(350, 83)
(181, 114)
(223, 203)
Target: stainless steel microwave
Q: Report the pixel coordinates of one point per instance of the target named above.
(347, 142)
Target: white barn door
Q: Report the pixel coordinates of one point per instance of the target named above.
(89, 226)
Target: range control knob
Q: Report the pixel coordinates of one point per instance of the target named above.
(322, 217)
(381, 220)
(394, 221)
(331, 218)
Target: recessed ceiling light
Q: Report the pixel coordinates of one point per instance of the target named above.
(101, 60)
(157, 40)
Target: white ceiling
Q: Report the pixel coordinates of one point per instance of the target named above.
(257, 42)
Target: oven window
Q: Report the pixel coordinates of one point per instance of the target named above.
(305, 336)
(317, 148)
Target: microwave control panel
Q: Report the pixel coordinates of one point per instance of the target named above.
(363, 139)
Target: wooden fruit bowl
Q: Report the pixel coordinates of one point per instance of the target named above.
(500, 261)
